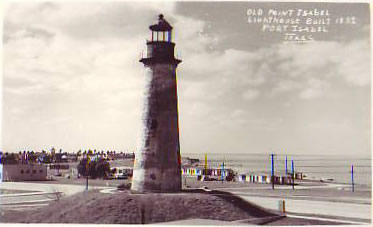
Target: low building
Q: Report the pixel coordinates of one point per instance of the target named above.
(266, 179)
(254, 178)
(215, 173)
(24, 172)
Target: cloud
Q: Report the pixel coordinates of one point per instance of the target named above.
(238, 113)
(355, 68)
(71, 73)
(327, 59)
(87, 21)
(77, 62)
(285, 85)
(250, 94)
(315, 88)
(308, 69)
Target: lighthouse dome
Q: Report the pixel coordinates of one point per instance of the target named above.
(162, 25)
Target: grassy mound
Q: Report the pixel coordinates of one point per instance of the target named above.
(126, 208)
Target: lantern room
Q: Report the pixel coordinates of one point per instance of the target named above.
(161, 32)
(160, 49)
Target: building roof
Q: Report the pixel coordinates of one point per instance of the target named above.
(162, 25)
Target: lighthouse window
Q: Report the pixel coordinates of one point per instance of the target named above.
(168, 36)
(155, 36)
(161, 34)
(154, 124)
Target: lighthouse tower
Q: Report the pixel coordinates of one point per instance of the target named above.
(157, 161)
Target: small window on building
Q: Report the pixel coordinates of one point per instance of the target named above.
(34, 171)
(27, 171)
(22, 171)
(40, 171)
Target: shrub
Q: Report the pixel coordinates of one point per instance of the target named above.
(96, 169)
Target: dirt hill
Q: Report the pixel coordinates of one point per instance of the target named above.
(127, 208)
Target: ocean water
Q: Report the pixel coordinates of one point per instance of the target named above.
(314, 167)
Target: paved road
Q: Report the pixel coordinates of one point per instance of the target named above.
(302, 186)
(67, 189)
(341, 209)
(45, 193)
(349, 207)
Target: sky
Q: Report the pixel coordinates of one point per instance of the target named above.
(72, 78)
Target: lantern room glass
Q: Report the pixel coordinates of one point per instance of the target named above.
(161, 36)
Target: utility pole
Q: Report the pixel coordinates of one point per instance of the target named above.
(273, 172)
(1, 169)
(205, 165)
(286, 165)
(222, 173)
(87, 171)
(86, 184)
(292, 172)
(352, 178)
